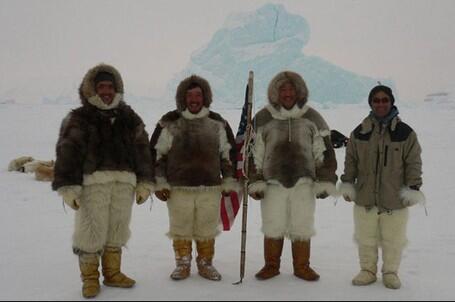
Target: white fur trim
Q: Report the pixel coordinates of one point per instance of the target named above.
(230, 184)
(257, 187)
(347, 189)
(103, 177)
(288, 212)
(258, 150)
(225, 146)
(304, 181)
(412, 197)
(325, 187)
(318, 149)
(198, 189)
(70, 192)
(283, 114)
(195, 220)
(17, 163)
(164, 143)
(161, 184)
(98, 102)
(104, 217)
(192, 116)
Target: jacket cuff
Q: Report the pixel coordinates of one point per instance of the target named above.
(257, 187)
(347, 189)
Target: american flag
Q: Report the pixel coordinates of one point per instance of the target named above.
(230, 205)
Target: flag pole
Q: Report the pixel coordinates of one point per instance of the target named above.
(248, 133)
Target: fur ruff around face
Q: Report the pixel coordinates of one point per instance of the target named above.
(87, 89)
(183, 87)
(287, 77)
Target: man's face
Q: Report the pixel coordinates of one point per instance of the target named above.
(106, 91)
(288, 96)
(194, 100)
(381, 104)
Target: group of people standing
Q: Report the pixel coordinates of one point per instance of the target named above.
(106, 160)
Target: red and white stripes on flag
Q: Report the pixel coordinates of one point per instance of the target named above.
(230, 205)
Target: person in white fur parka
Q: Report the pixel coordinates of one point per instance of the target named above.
(293, 163)
(383, 176)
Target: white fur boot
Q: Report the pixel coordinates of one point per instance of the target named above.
(391, 258)
(368, 256)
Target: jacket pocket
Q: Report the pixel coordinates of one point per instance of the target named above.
(361, 194)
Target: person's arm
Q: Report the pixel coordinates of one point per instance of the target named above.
(350, 174)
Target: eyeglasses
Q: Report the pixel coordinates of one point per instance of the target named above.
(384, 100)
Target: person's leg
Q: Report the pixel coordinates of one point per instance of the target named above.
(393, 233)
(366, 224)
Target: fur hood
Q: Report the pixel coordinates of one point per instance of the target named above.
(279, 80)
(183, 87)
(87, 91)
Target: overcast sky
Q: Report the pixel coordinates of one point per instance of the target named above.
(53, 43)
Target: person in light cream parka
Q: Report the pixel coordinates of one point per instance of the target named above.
(383, 176)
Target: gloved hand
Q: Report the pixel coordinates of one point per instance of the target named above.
(348, 191)
(257, 195)
(71, 196)
(412, 196)
(346, 197)
(72, 203)
(163, 195)
(322, 195)
(143, 192)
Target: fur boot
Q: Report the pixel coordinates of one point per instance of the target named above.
(205, 252)
(301, 256)
(368, 256)
(272, 256)
(182, 249)
(88, 264)
(111, 261)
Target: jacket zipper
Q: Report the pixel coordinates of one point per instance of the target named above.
(385, 156)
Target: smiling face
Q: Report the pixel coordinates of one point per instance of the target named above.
(106, 91)
(381, 104)
(287, 95)
(194, 100)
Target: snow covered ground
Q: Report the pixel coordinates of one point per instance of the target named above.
(36, 262)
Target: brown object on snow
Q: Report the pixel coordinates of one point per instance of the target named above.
(44, 173)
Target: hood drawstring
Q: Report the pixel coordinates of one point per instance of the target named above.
(290, 130)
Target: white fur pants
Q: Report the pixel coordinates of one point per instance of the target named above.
(104, 217)
(288, 212)
(194, 215)
(386, 230)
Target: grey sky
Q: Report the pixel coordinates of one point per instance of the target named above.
(53, 43)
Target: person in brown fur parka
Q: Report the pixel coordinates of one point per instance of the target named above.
(195, 158)
(103, 160)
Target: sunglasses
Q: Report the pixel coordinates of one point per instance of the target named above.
(384, 100)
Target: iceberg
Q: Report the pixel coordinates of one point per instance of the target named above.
(268, 41)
